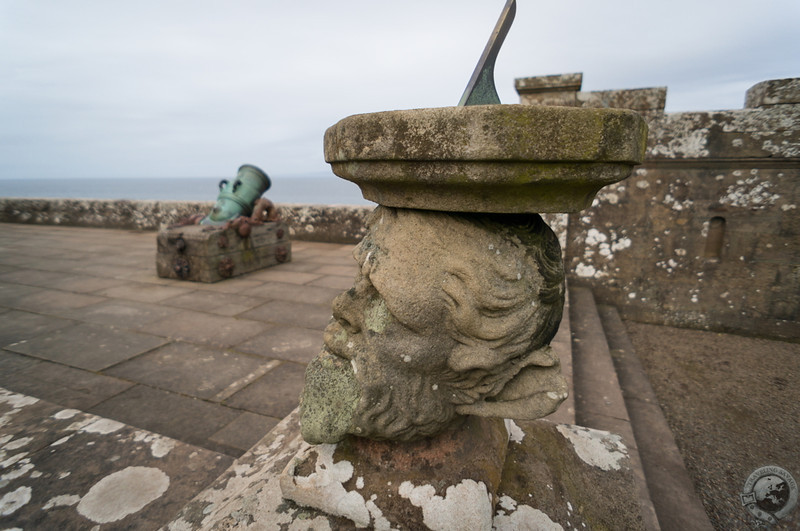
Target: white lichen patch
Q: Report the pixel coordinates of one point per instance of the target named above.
(468, 504)
(61, 441)
(65, 414)
(161, 446)
(380, 523)
(690, 143)
(16, 444)
(515, 433)
(102, 426)
(324, 488)
(12, 501)
(15, 400)
(122, 493)
(752, 193)
(24, 467)
(597, 448)
(63, 500)
(514, 517)
(587, 271)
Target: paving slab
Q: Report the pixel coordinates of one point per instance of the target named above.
(49, 301)
(189, 369)
(280, 275)
(33, 277)
(299, 314)
(245, 431)
(340, 270)
(187, 419)
(197, 327)
(333, 282)
(87, 346)
(145, 292)
(288, 343)
(119, 313)
(274, 394)
(57, 383)
(294, 292)
(65, 469)
(99, 330)
(218, 303)
(17, 325)
(84, 283)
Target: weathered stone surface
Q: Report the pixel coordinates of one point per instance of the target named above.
(486, 158)
(558, 82)
(203, 253)
(449, 315)
(559, 476)
(65, 469)
(323, 223)
(564, 90)
(326, 223)
(773, 92)
(553, 475)
(642, 100)
(705, 234)
(431, 483)
(122, 214)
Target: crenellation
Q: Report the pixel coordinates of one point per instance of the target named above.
(711, 217)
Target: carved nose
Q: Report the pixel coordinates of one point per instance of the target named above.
(345, 311)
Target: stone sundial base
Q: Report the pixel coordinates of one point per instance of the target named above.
(459, 292)
(553, 476)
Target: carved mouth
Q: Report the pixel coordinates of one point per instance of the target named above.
(335, 338)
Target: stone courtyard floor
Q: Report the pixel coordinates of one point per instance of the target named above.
(105, 363)
(85, 323)
(106, 368)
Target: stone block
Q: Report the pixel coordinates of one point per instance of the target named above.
(773, 92)
(274, 394)
(197, 327)
(87, 346)
(57, 383)
(555, 83)
(288, 343)
(170, 414)
(188, 369)
(486, 158)
(66, 469)
(205, 253)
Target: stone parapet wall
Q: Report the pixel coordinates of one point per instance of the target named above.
(334, 224)
(706, 233)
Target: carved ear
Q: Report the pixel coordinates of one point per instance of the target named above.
(535, 392)
(467, 357)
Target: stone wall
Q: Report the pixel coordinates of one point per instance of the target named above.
(706, 233)
(334, 224)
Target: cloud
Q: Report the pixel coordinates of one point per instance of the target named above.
(195, 88)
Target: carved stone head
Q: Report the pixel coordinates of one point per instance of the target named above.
(450, 314)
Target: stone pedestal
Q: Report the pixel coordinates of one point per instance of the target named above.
(554, 476)
(446, 330)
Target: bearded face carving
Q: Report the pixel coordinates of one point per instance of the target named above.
(450, 314)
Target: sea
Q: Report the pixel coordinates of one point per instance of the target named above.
(328, 190)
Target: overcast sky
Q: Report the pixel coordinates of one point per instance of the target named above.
(171, 88)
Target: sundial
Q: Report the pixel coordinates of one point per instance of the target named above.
(480, 89)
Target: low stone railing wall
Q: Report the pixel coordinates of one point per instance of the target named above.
(323, 223)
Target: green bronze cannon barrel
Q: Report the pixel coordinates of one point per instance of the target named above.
(238, 197)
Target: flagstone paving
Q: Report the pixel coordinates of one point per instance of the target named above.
(86, 323)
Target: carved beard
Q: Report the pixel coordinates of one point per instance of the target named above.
(413, 406)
